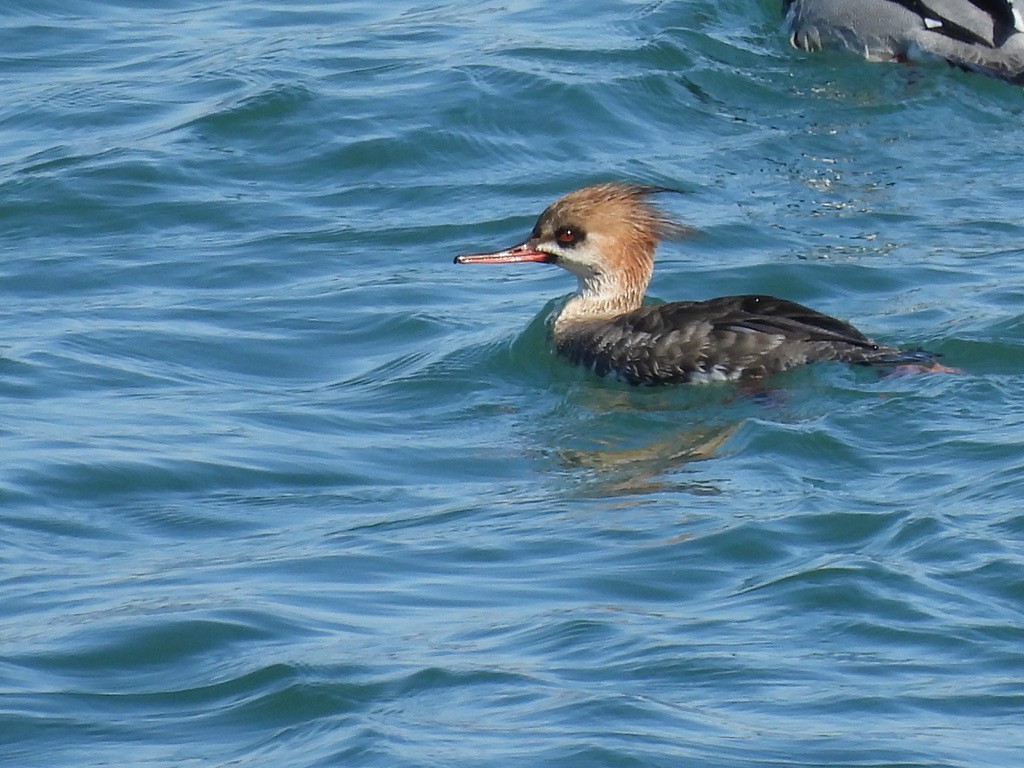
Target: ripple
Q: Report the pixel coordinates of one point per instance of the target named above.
(237, 118)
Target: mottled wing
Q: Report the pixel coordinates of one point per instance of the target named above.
(752, 313)
(722, 339)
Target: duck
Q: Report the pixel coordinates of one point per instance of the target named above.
(606, 235)
(985, 36)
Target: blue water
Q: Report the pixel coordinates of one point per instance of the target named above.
(282, 486)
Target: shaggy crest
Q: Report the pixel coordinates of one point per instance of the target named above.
(622, 202)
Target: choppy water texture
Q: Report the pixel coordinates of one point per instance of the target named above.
(280, 485)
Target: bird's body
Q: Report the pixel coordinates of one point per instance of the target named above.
(606, 234)
(984, 36)
(723, 339)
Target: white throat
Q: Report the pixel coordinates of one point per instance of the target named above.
(598, 297)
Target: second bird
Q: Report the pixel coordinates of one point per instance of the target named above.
(980, 35)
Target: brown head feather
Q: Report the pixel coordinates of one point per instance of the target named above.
(620, 224)
(622, 201)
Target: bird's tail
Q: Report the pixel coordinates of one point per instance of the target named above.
(891, 356)
(903, 362)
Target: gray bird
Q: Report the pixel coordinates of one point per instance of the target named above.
(984, 36)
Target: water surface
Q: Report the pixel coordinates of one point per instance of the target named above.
(283, 486)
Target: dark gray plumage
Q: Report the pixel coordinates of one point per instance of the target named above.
(985, 36)
(732, 337)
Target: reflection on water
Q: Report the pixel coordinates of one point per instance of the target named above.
(616, 470)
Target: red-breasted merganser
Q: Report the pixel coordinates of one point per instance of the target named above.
(606, 235)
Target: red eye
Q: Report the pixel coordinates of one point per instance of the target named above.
(567, 236)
